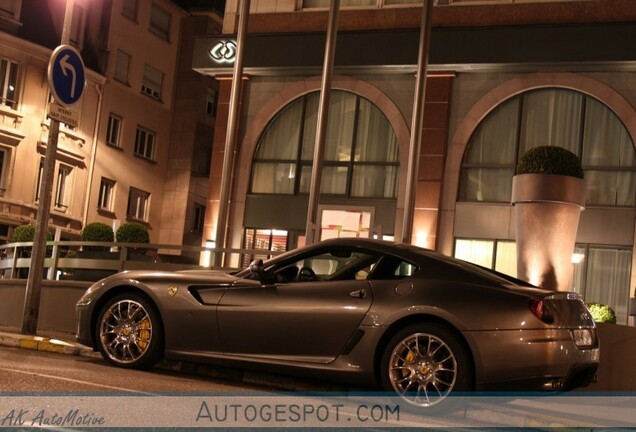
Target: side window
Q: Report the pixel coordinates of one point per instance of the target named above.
(333, 265)
(390, 268)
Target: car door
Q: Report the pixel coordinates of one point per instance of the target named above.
(295, 319)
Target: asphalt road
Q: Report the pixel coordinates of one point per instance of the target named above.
(49, 389)
(52, 387)
(35, 371)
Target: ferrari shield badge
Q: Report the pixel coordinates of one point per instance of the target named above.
(172, 290)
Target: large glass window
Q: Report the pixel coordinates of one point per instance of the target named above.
(603, 276)
(601, 273)
(500, 255)
(558, 117)
(360, 157)
(263, 239)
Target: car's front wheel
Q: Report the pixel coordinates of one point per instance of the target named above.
(424, 364)
(129, 332)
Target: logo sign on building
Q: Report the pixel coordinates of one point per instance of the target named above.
(66, 75)
(223, 52)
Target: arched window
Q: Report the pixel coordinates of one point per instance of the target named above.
(583, 125)
(552, 116)
(361, 151)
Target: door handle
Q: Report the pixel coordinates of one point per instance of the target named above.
(362, 293)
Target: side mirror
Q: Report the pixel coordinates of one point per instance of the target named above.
(257, 270)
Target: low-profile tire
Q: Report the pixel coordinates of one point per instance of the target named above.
(425, 364)
(129, 333)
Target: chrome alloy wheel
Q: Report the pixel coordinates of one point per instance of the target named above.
(422, 369)
(125, 331)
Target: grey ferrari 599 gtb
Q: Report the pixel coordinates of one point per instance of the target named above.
(390, 315)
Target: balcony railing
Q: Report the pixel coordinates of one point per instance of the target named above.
(76, 260)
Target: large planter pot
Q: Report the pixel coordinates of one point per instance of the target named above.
(547, 209)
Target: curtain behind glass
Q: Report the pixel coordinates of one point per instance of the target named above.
(492, 152)
(495, 139)
(342, 110)
(506, 258)
(607, 144)
(342, 114)
(280, 139)
(608, 279)
(551, 117)
(375, 140)
(478, 252)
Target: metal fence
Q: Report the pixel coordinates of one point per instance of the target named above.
(91, 261)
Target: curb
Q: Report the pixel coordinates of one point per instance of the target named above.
(45, 344)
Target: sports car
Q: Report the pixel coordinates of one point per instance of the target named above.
(366, 312)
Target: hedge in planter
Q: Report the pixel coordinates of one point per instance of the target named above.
(133, 232)
(602, 313)
(550, 160)
(26, 233)
(97, 232)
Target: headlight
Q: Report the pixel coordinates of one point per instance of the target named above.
(84, 301)
(583, 337)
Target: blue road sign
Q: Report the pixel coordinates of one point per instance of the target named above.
(66, 75)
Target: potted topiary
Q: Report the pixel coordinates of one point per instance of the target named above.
(548, 195)
(134, 232)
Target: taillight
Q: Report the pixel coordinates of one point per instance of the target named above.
(541, 311)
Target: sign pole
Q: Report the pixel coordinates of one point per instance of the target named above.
(36, 269)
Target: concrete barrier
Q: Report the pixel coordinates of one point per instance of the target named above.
(617, 371)
(57, 304)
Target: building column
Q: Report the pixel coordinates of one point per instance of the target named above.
(216, 164)
(433, 150)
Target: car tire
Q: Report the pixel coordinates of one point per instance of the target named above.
(129, 332)
(424, 364)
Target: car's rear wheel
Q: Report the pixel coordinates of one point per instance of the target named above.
(424, 364)
(129, 332)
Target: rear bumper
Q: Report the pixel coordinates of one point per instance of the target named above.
(532, 360)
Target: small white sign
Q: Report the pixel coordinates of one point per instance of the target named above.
(62, 114)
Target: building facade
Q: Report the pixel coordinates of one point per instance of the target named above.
(124, 160)
(502, 78)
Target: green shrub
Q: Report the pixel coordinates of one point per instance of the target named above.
(602, 313)
(97, 232)
(25, 233)
(133, 232)
(550, 160)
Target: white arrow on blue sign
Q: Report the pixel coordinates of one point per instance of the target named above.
(66, 75)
